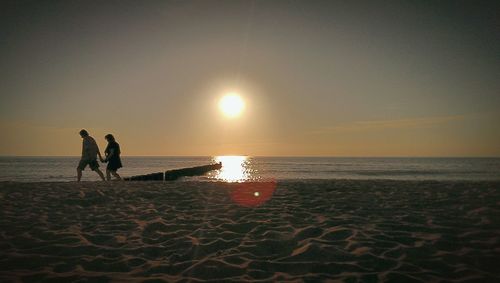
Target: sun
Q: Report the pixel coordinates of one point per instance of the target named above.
(231, 105)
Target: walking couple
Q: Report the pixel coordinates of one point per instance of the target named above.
(90, 151)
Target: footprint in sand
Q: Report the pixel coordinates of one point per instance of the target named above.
(300, 250)
(361, 251)
(121, 239)
(427, 237)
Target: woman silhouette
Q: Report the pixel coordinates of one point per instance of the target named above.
(112, 153)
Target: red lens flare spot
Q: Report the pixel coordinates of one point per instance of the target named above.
(252, 194)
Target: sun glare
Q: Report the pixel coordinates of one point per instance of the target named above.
(231, 105)
(234, 168)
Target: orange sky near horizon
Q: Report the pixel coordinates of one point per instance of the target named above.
(319, 78)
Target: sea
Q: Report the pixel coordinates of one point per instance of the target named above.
(246, 168)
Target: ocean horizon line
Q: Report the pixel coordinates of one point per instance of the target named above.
(256, 156)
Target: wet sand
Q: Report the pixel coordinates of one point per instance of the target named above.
(342, 230)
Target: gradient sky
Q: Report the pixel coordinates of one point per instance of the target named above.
(331, 78)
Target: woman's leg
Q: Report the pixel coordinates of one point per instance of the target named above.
(116, 175)
(108, 175)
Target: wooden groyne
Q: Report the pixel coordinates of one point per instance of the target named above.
(148, 177)
(172, 175)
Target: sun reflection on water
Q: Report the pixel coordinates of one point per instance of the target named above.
(234, 168)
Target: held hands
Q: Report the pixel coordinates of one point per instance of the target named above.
(103, 160)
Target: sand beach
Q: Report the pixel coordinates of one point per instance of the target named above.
(299, 231)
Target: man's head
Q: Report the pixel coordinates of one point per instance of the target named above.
(84, 133)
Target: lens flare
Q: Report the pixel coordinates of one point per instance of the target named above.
(251, 194)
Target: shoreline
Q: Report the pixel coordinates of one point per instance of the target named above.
(298, 180)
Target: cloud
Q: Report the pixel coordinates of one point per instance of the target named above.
(358, 126)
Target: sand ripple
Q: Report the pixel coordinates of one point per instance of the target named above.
(351, 231)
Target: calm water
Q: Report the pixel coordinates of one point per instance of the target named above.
(238, 168)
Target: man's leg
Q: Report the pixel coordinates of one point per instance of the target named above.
(108, 175)
(100, 173)
(78, 174)
(95, 167)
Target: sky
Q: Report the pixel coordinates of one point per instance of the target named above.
(319, 78)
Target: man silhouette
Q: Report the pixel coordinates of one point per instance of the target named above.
(90, 151)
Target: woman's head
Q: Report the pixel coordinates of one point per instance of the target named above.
(84, 133)
(109, 138)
